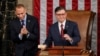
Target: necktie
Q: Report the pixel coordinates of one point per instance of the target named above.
(22, 22)
(62, 31)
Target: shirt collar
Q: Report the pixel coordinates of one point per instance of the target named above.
(24, 18)
(62, 22)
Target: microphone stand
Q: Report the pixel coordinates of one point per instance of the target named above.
(62, 47)
(64, 31)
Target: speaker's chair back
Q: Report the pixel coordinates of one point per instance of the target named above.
(84, 19)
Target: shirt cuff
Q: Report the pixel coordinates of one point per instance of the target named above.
(20, 36)
(28, 35)
(71, 41)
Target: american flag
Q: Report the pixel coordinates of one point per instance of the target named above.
(44, 11)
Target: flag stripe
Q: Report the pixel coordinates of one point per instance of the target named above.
(36, 7)
(74, 4)
(80, 4)
(55, 4)
(68, 4)
(49, 14)
(87, 4)
(94, 5)
(36, 12)
(98, 28)
(43, 19)
(94, 34)
(98, 11)
(62, 3)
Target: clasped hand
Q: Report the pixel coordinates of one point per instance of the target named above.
(23, 30)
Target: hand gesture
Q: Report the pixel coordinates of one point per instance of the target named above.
(67, 37)
(24, 30)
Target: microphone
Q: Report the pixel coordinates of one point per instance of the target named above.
(65, 31)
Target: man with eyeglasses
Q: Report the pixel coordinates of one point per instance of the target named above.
(62, 33)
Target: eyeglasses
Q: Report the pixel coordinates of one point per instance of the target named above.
(61, 14)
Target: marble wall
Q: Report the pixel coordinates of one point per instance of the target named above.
(28, 5)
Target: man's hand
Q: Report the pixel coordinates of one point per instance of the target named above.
(24, 31)
(42, 47)
(67, 37)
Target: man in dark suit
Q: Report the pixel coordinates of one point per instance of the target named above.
(63, 32)
(24, 32)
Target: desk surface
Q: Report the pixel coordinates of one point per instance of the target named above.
(67, 51)
(45, 53)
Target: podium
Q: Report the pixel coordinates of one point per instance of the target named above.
(66, 51)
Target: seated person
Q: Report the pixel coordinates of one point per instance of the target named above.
(62, 33)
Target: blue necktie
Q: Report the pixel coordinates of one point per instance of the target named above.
(22, 22)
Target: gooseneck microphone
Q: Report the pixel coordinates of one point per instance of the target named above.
(65, 32)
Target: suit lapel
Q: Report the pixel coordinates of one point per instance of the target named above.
(28, 23)
(18, 26)
(57, 30)
(67, 26)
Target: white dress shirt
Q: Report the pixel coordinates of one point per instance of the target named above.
(59, 25)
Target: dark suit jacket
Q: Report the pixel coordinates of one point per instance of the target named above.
(54, 35)
(26, 45)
